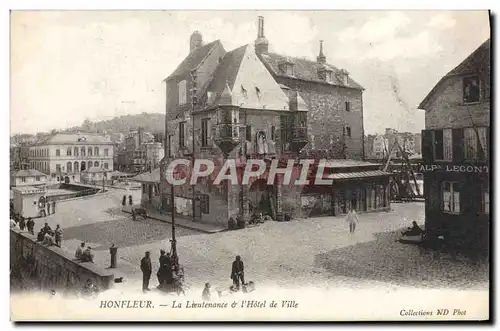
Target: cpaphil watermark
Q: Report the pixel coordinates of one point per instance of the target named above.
(236, 172)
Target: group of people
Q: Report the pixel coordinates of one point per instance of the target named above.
(48, 204)
(165, 274)
(22, 223)
(50, 237)
(83, 254)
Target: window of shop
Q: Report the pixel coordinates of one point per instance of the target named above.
(450, 197)
(204, 204)
(486, 200)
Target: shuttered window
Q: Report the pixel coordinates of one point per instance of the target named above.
(447, 145)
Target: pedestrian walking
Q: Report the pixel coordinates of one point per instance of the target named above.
(162, 268)
(146, 269)
(58, 235)
(22, 223)
(130, 200)
(31, 226)
(238, 272)
(48, 208)
(54, 207)
(352, 219)
(124, 201)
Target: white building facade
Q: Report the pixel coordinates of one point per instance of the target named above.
(67, 154)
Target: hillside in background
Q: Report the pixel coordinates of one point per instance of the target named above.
(151, 122)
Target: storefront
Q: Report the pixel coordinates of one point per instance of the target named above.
(457, 202)
(361, 186)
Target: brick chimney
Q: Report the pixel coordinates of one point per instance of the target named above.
(261, 43)
(195, 41)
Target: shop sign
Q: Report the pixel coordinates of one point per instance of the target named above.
(453, 168)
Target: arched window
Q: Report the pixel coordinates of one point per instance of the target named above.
(96, 164)
(89, 164)
(83, 151)
(75, 151)
(83, 166)
(90, 151)
(96, 151)
(68, 151)
(69, 166)
(76, 165)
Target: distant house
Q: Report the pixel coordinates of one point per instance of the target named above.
(30, 177)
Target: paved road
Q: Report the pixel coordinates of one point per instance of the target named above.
(317, 251)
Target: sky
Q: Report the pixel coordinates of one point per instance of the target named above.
(68, 66)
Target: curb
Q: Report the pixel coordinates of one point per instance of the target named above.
(181, 225)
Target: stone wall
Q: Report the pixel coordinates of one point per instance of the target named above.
(37, 267)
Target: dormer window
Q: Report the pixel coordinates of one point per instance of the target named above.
(286, 67)
(471, 89)
(344, 75)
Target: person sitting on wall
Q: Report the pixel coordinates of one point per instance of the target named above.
(48, 239)
(40, 236)
(79, 251)
(88, 255)
(414, 230)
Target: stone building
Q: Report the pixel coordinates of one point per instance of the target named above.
(67, 154)
(456, 152)
(251, 104)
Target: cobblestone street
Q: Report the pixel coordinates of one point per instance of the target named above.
(316, 251)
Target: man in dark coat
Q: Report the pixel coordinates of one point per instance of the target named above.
(54, 207)
(48, 208)
(31, 226)
(22, 223)
(162, 268)
(238, 272)
(146, 269)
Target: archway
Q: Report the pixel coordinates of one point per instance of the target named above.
(83, 166)
(261, 197)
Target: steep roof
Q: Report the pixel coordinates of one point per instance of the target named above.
(29, 173)
(471, 64)
(241, 79)
(304, 69)
(75, 139)
(193, 59)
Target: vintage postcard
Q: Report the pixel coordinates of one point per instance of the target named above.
(250, 165)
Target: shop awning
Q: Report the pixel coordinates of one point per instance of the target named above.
(356, 175)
